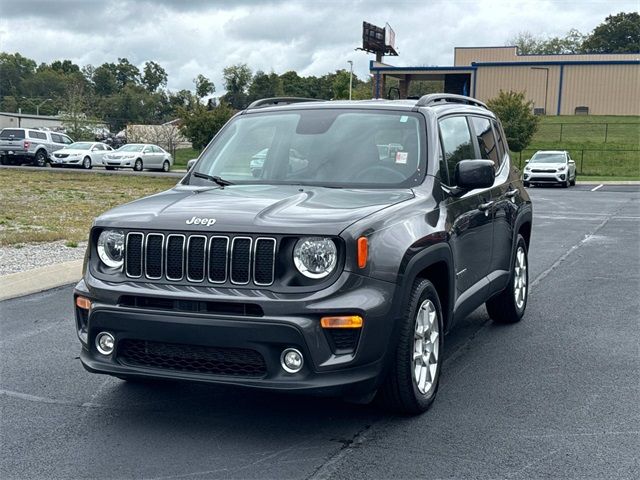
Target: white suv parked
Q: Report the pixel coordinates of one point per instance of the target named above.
(30, 145)
(550, 166)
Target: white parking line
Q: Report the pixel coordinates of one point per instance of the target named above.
(597, 188)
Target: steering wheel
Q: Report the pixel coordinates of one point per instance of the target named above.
(374, 172)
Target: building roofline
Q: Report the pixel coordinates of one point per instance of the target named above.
(556, 62)
(29, 115)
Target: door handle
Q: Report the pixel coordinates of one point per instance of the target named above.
(511, 193)
(485, 206)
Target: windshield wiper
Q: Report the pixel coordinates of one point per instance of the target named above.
(214, 178)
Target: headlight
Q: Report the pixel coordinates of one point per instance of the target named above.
(562, 169)
(315, 257)
(111, 248)
(527, 168)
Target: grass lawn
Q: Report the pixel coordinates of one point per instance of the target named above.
(183, 155)
(44, 207)
(584, 138)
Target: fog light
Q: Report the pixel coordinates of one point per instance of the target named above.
(105, 343)
(291, 360)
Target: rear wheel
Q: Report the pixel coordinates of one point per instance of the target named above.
(509, 305)
(166, 166)
(137, 166)
(86, 163)
(412, 381)
(40, 159)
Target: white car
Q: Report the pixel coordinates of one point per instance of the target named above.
(139, 156)
(550, 167)
(81, 154)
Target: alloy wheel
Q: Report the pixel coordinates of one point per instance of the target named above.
(520, 278)
(426, 347)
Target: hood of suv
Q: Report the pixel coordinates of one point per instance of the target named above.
(253, 209)
(546, 166)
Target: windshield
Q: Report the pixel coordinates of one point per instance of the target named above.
(79, 146)
(337, 147)
(131, 148)
(548, 158)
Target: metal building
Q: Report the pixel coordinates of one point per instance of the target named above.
(597, 84)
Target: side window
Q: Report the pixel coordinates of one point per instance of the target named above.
(55, 138)
(456, 143)
(486, 141)
(99, 146)
(38, 135)
(66, 140)
(502, 150)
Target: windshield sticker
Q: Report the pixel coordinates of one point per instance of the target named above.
(401, 157)
(404, 118)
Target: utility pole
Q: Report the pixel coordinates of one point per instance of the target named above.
(40, 104)
(350, 62)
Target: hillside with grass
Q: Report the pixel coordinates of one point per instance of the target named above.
(602, 146)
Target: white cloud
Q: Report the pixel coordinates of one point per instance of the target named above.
(312, 37)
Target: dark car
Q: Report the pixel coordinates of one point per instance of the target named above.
(337, 277)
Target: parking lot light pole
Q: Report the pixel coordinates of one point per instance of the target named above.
(42, 103)
(350, 62)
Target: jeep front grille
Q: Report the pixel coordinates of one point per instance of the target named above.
(198, 258)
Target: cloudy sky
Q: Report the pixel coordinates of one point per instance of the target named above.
(313, 37)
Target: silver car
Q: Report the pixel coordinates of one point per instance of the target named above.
(550, 167)
(81, 154)
(139, 156)
(30, 145)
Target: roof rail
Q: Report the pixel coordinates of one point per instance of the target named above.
(263, 102)
(433, 98)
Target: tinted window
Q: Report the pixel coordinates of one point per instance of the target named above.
(502, 150)
(341, 147)
(456, 142)
(11, 133)
(66, 140)
(486, 140)
(56, 138)
(38, 135)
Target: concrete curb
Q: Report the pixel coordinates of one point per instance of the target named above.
(39, 279)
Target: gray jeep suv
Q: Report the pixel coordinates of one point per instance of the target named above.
(336, 271)
(30, 145)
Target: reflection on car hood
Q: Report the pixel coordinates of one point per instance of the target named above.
(67, 151)
(545, 165)
(254, 208)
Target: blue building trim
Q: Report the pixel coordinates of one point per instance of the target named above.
(568, 62)
(560, 89)
(475, 75)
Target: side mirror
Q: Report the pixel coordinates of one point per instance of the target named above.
(470, 174)
(572, 162)
(527, 160)
(191, 163)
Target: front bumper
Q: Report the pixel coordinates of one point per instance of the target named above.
(288, 321)
(66, 161)
(545, 177)
(118, 163)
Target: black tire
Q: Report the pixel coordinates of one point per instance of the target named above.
(566, 183)
(109, 168)
(137, 166)
(166, 166)
(40, 160)
(503, 307)
(525, 184)
(399, 391)
(573, 182)
(3, 161)
(86, 163)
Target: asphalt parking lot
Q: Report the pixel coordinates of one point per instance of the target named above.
(555, 396)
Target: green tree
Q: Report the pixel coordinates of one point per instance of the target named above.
(14, 69)
(340, 85)
(204, 86)
(529, 44)
(154, 76)
(265, 86)
(617, 34)
(293, 85)
(518, 120)
(74, 117)
(105, 79)
(200, 124)
(126, 73)
(237, 79)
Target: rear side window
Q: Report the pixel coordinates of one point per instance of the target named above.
(11, 133)
(56, 138)
(486, 140)
(38, 135)
(456, 143)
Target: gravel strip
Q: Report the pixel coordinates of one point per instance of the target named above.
(19, 258)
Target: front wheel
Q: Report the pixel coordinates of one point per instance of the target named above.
(412, 381)
(166, 166)
(86, 163)
(509, 305)
(138, 165)
(573, 182)
(40, 159)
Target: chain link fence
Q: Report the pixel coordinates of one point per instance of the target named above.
(623, 132)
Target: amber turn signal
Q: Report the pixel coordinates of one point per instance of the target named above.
(363, 251)
(348, 321)
(83, 303)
